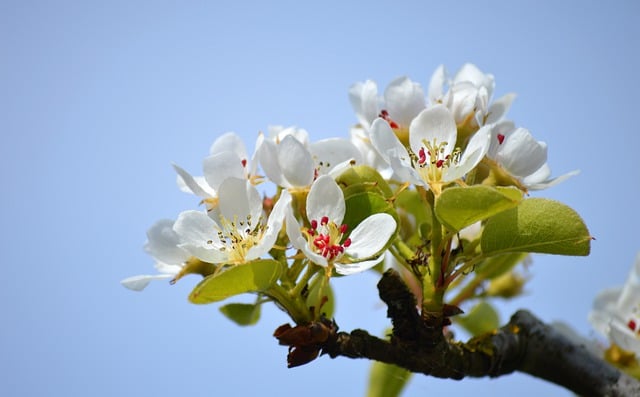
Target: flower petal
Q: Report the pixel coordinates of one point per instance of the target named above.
(190, 184)
(475, 151)
(435, 123)
(404, 99)
(267, 154)
(436, 85)
(295, 161)
(499, 108)
(138, 283)
(325, 199)
(229, 142)
(162, 243)
(239, 201)
(274, 224)
(520, 154)
(347, 269)
(371, 236)
(220, 166)
(364, 101)
(327, 153)
(198, 236)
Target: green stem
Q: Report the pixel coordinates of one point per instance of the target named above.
(296, 308)
(297, 290)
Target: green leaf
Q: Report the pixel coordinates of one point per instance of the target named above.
(387, 380)
(537, 225)
(254, 276)
(459, 207)
(361, 205)
(242, 313)
(362, 178)
(498, 265)
(481, 319)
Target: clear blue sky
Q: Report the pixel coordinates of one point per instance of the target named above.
(98, 98)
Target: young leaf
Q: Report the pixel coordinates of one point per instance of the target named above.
(481, 319)
(459, 207)
(254, 276)
(498, 265)
(537, 225)
(359, 206)
(362, 178)
(387, 380)
(242, 313)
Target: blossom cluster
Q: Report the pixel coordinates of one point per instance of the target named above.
(319, 219)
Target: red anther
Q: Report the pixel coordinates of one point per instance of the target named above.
(347, 242)
(324, 220)
(500, 138)
(439, 163)
(244, 162)
(314, 224)
(384, 113)
(311, 232)
(422, 156)
(343, 228)
(632, 325)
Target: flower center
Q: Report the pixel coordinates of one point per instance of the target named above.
(236, 237)
(324, 238)
(433, 160)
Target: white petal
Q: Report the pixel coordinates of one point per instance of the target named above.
(470, 73)
(604, 306)
(347, 269)
(162, 243)
(504, 128)
(274, 224)
(229, 142)
(436, 85)
(520, 154)
(190, 184)
(370, 236)
(199, 236)
(539, 179)
(220, 166)
(364, 100)
(499, 108)
(404, 99)
(239, 200)
(327, 153)
(325, 199)
(385, 141)
(268, 157)
(433, 123)
(623, 337)
(295, 161)
(475, 151)
(138, 283)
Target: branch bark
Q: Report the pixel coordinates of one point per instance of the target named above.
(525, 344)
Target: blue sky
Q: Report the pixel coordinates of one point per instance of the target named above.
(98, 98)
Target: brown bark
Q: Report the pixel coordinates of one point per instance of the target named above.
(525, 344)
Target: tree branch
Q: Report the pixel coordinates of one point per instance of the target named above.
(525, 344)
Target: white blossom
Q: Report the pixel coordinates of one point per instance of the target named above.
(235, 232)
(162, 245)
(324, 242)
(434, 159)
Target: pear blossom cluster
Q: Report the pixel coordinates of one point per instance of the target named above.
(455, 135)
(400, 129)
